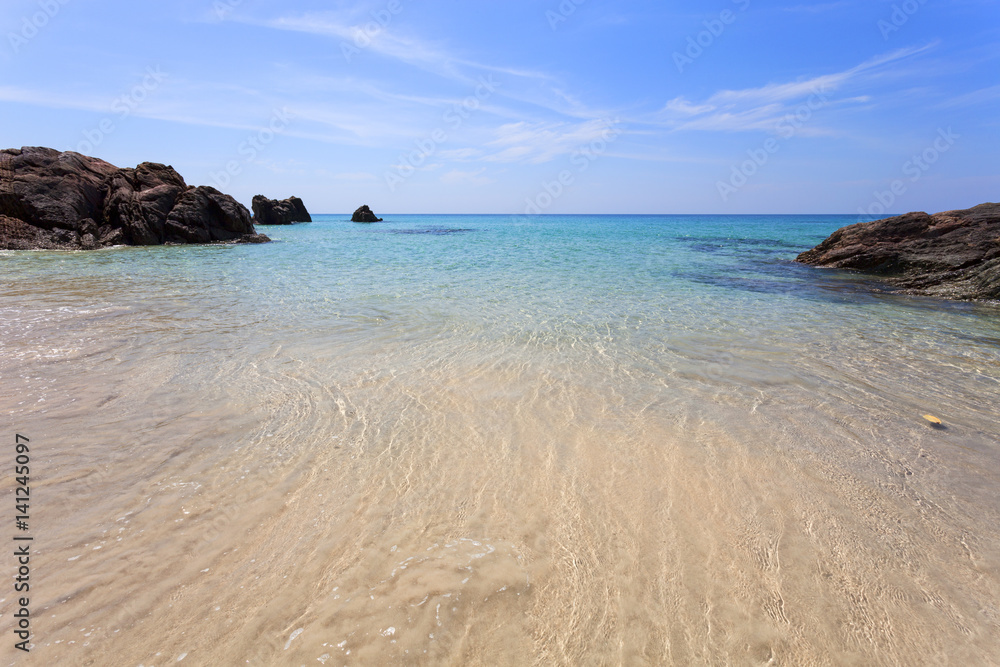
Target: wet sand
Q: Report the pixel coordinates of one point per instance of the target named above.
(205, 494)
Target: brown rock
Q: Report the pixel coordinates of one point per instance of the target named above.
(954, 254)
(365, 214)
(53, 200)
(274, 212)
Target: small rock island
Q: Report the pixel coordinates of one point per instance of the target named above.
(274, 212)
(50, 200)
(953, 254)
(365, 214)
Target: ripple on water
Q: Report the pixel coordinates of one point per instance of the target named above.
(424, 597)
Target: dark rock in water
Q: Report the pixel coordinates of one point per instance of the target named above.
(274, 212)
(954, 254)
(68, 201)
(364, 214)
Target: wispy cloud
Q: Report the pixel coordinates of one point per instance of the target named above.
(683, 107)
(473, 178)
(247, 113)
(336, 25)
(387, 42)
(535, 143)
(762, 107)
(355, 177)
(461, 154)
(347, 29)
(975, 97)
(53, 100)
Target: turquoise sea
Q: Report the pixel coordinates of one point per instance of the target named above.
(477, 439)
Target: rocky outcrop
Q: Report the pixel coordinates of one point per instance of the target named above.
(54, 200)
(364, 214)
(954, 254)
(274, 212)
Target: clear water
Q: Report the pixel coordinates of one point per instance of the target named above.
(623, 439)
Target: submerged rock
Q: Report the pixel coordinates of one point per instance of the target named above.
(364, 214)
(274, 212)
(54, 200)
(954, 254)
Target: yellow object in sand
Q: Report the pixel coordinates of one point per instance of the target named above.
(932, 419)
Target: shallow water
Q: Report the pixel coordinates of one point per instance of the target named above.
(477, 440)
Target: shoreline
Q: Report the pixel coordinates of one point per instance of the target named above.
(636, 470)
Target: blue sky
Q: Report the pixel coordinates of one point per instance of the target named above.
(554, 106)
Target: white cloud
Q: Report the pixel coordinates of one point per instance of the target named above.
(365, 35)
(975, 97)
(355, 30)
(474, 178)
(355, 176)
(535, 142)
(461, 154)
(380, 39)
(763, 107)
(682, 106)
(54, 100)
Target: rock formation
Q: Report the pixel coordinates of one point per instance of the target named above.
(53, 200)
(364, 214)
(954, 254)
(274, 212)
